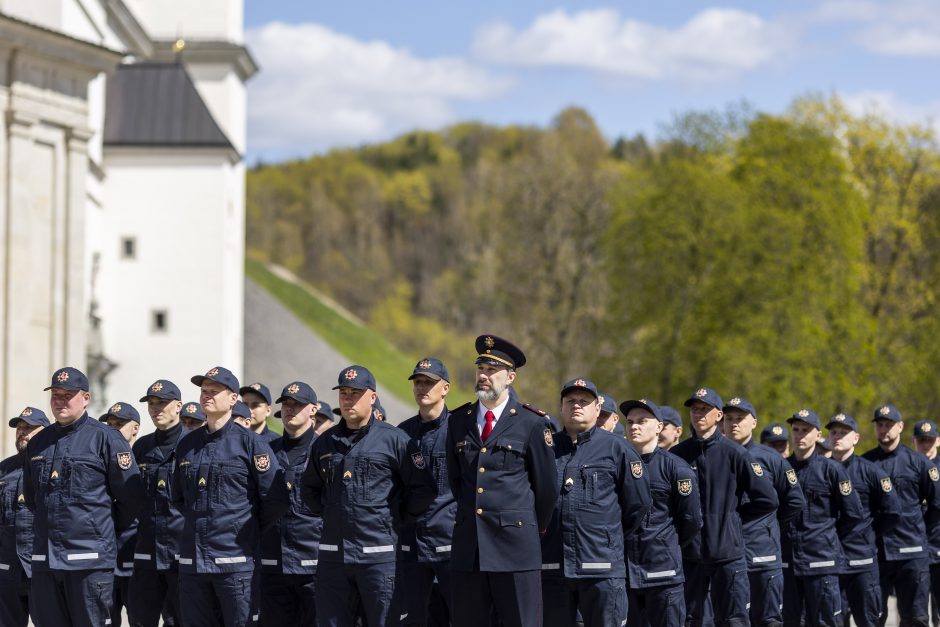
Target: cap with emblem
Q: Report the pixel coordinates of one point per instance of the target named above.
(326, 411)
(68, 378)
(608, 404)
(219, 375)
(298, 391)
(257, 388)
(241, 410)
(356, 377)
(193, 410)
(496, 351)
(823, 443)
(642, 403)
(670, 415)
(925, 429)
(580, 384)
(707, 396)
(774, 432)
(741, 403)
(432, 368)
(887, 412)
(805, 415)
(843, 419)
(121, 411)
(31, 416)
(161, 388)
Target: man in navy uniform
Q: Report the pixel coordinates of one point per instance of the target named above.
(656, 597)
(289, 549)
(609, 419)
(604, 495)
(501, 466)
(762, 535)
(925, 443)
(861, 588)
(672, 427)
(813, 540)
(733, 489)
(83, 486)
(123, 417)
(904, 562)
(364, 479)
(776, 436)
(16, 524)
(192, 417)
(241, 414)
(257, 397)
(228, 485)
(154, 587)
(426, 543)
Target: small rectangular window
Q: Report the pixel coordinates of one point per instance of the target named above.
(159, 321)
(129, 248)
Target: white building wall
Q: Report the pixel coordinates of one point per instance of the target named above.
(224, 94)
(219, 20)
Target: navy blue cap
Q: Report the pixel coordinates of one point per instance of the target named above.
(241, 409)
(326, 411)
(356, 377)
(219, 375)
(642, 403)
(498, 352)
(257, 388)
(193, 410)
(823, 443)
(579, 384)
(670, 415)
(887, 412)
(68, 378)
(774, 432)
(121, 411)
(741, 403)
(608, 404)
(805, 415)
(377, 406)
(31, 416)
(298, 391)
(843, 419)
(707, 396)
(619, 430)
(431, 367)
(161, 388)
(926, 429)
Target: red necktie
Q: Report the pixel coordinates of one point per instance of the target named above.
(488, 427)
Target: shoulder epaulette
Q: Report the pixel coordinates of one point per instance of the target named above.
(536, 410)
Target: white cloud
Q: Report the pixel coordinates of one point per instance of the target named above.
(319, 88)
(905, 28)
(894, 108)
(713, 44)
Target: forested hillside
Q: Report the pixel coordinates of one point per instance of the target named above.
(791, 259)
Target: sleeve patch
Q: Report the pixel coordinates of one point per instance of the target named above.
(124, 460)
(934, 474)
(418, 460)
(262, 462)
(684, 486)
(636, 469)
(886, 484)
(791, 476)
(758, 469)
(549, 440)
(845, 487)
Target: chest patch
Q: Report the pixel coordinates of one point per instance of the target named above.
(684, 486)
(262, 462)
(124, 460)
(758, 469)
(845, 488)
(886, 484)
(550, 441)
(934, 474)
(791, 476)
(418, 460)
(636, 469)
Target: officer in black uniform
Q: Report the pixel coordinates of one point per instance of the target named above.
(762, 535)
(813, 540)
(654, 551)
(861, 588)
(672, 427)
(604, 496)
(426, 543)
(192, 417)
(289, 549)
(257, 397)
(154, 588)
(364, 479)
(925, 443)
(229, 487)
(123, 417)
(734, 490)
(16, 524)
(904, 562)
(777, 437)
(84, 488)
(501, 465)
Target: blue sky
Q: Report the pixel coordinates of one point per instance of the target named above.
(346, 73)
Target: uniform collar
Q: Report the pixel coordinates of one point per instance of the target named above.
(224, 429)
(425, 426)
(73, 426)
(646, 457)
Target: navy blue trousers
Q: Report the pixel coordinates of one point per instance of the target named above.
(861, 595)
(511, 599)
(659, 606)
(910, 581)
(212, 600)
(811, 600)
(766, 597)
(601, 602)
(725, 584)
(418, 582)
(153, 593)
(14, 596)
(288, 600)
(345, 589)
(71, 598)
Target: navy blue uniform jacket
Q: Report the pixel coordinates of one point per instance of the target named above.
(604, 495)
(933, 532)
(654, 550)
(82, 483)
(16, 521)
(365, 483)
(229, 487)
(161, 523)
(881, 509)
(726, 474)
(505, 489)
(428, 539)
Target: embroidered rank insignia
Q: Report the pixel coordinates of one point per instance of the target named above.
(156, 387)
(262, 462)
(21, 499)
(54, 475)
(758, 469)
(685, 486)
(845, 487)
(290, 486)
(62, 377)
(202, 481)
(124, 460)
(636, 469)
(293, 389)
(347, 474)
(934, 474)
(791, 476)
(212, 372)
(776, 430)
(489, 342)
(569, 481)
(886, 484)
(418, 460)
(191, 408)
(161, 483)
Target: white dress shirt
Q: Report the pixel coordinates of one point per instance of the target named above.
(497, 412)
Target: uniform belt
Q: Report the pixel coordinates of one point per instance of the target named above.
(595, 566)
(822, 564)
(81, 556)
(910, 549)
(442, 549)
(186, 561)
(762, 559)
(142, 556)
(39, 558)
(127, 564)
(265, 562)
(385, 548)
(329, 547)
(231, 560)
(661, 573)
(870, 560)
(308, 562)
